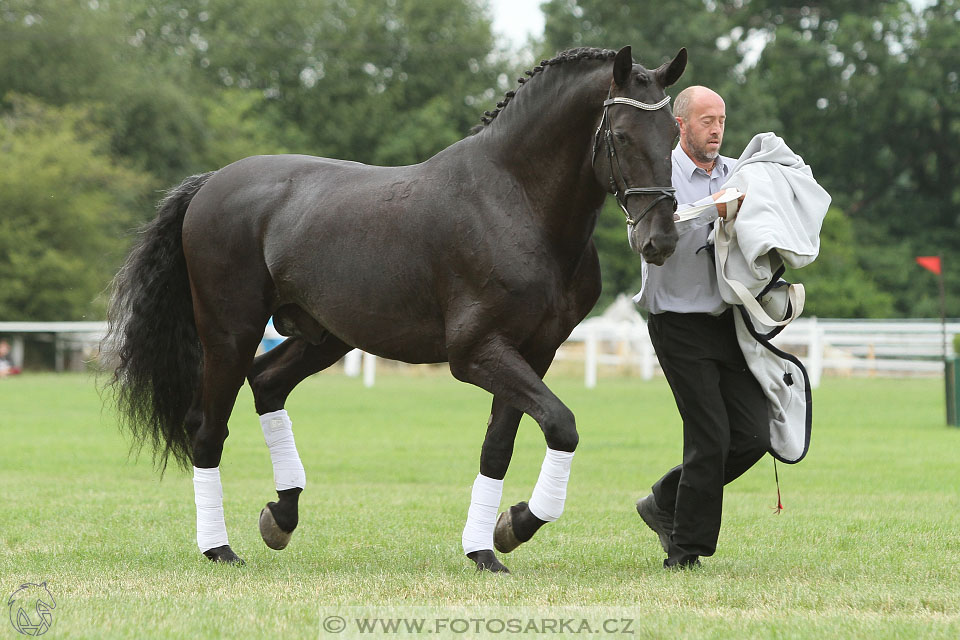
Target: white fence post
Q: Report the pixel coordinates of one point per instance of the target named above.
(815, 354)
(58, 356)
(590, 359)
(16, 351)
(647, 356)
(369, 369)
(351, 363)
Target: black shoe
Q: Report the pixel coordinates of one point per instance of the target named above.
(657, 519)
(683, 562)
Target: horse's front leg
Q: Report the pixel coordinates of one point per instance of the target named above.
(495, 457)
(517, 385)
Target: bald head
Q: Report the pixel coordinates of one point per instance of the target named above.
(701, 114)
(690, 96)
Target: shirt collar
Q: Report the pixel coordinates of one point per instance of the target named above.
(688, 167)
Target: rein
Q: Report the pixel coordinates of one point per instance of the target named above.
(664, 193)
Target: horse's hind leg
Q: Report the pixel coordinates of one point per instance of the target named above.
(272, 378)
(227, 356)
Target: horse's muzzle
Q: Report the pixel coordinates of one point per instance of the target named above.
(655, 254)
(656, 237)
(658, 247)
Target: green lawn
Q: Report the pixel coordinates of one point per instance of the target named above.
(867, 547)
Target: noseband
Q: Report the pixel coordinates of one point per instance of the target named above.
(605, 128)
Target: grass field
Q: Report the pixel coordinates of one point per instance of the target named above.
(867, 547)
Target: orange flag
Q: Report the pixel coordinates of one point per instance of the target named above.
(931, 263)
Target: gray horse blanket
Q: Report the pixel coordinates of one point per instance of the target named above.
(779, 223)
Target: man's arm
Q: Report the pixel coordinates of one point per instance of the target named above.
(710, 210)
(722, 206)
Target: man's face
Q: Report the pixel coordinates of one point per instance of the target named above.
(701, 133)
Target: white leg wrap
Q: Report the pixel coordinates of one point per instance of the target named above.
(208, 494)
(278, 433)
(551, 490)
(482, 516)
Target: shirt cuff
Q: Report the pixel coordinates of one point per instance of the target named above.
(702, 220)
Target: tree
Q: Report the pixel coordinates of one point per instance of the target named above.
(379, 82)
(848, 86)
(716, 48)
(866, 91)
(58, 50)
(115, 99)
(836, 285)
(66, 207)
(66, 52)
(842, 82)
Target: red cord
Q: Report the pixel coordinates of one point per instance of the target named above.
(777, 509)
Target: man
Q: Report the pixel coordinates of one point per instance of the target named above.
(724, 410)
(6, 368)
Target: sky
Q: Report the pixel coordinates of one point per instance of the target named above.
(514, 20)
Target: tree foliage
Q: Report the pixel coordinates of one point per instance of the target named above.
(379, 82)
(126, 96)
(66, 206)
(110, 100)
(836, 285)
(867, 92)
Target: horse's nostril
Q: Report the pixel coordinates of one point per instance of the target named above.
(657, 252)
(651, 253)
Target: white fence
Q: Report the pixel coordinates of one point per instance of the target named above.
(604, 346)
(837, 347)
(68, 338)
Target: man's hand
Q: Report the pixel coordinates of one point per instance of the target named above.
(722, 206)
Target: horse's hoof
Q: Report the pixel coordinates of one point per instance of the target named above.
(487, 561)
(270, 531)
(225, 555)
(504, 538)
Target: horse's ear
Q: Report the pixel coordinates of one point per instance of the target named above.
(669, 72)
(622, 66)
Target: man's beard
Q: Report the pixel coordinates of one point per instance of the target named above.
(700, 153)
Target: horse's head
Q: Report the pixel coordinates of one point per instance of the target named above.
(31, 609)
(632, 151)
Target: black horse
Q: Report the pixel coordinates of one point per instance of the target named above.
(481, 256)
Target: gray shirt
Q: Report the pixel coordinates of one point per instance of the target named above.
(687, 281)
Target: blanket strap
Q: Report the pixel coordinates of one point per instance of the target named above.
(795, 292)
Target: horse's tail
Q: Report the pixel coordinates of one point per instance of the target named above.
(151, 334)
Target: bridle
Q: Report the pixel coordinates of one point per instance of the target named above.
(665, 193)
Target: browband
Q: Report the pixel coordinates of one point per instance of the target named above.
(637, 103)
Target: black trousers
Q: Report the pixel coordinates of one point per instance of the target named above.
(725, 425)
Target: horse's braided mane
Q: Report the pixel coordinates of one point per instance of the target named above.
(571, 55)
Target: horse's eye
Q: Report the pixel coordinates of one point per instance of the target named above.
(621, 139)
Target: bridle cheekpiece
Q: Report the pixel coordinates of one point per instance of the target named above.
(605, 128)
